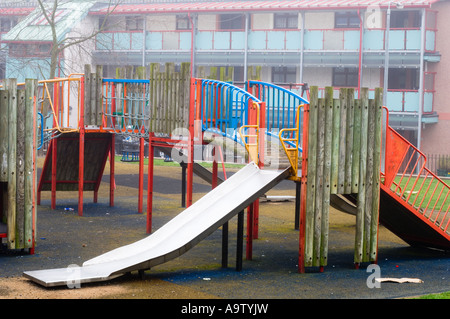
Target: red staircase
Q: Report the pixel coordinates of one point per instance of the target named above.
(414, 202)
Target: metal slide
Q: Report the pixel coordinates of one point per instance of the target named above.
(174, 238)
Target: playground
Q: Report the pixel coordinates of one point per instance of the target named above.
(64, 238)
(324, 190)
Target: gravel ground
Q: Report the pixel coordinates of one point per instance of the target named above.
(64, 238)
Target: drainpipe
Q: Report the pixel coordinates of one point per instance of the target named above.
(144, 27)
(246, 49)
(421, 78)
(192, 45)
(302, 46)
(386, 54)
(360, 56)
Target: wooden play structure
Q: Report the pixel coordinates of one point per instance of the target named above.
(17, 164)
(342, 155)
(337, 148)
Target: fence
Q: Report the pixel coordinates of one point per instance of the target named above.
(17, 163)
(439, 164)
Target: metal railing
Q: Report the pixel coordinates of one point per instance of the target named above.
(281, 106)
(408, 177)
(222, 107)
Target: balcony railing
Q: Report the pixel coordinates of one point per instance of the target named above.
(134, 41)
(267, 40)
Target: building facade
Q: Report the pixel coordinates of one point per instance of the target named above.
(400, 46)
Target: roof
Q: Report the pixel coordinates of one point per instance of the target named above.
(35, 27)
(260, 5)
(15, 11)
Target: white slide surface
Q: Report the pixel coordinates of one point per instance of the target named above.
(176, 237)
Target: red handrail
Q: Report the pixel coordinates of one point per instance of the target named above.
(409, 171)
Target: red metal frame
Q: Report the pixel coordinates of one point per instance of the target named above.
(304, 179)
(141, 174)
(112, 181)
(81, 153)
(399, 151)
(151, 154)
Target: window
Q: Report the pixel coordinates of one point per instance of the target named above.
(405, 19)
(231, 22)
(284, 74)
(285, 21)
(346, 20)
(29, 49)
(183, 23)
(345, 77)
(134, 23)
(7, 24)
(403, 79)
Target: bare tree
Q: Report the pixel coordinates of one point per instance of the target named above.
(49, 9)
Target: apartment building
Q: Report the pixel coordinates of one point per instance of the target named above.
(398, 45)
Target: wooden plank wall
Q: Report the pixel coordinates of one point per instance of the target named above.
(168, 92)
(344, 149)
(169, 98)
(17, 164)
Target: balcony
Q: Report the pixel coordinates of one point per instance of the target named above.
(267, 40)
(154, 41)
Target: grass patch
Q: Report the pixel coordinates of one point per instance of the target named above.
(419, 196)
(161, 162)
(444, 295)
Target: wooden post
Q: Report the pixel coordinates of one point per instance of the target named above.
(98, 101)
(4, 120)
(86, 96)
(81, 151)
(356, 144)
(335, 146)
(30, 159)
(20, 170)
(3, 154)
(311, 182)
(11, 86)
(349, 140)
(342, 139)
(359, 232)
(328, 131)
(376, 175)
(317, 229)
